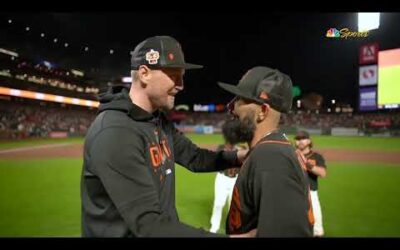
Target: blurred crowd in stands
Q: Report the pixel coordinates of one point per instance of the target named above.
(367, 122)
(25, 74)
(19, 120)
(22, 118)
(347, 120)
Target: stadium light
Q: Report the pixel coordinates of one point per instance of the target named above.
(66, 45)
(47, 97)
(27, 28)
(298, 103)
(47, 64)
(111, 51)
(9, 21)
(333, 101)
(86, 48)
(127, 79)
(368, 21)
(77, 72)
(55, 40)
(42, 35)
(8, 52)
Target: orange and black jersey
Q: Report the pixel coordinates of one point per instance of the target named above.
(315, 159)
(272, 192)
(128, 176)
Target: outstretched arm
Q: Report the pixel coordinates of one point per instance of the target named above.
(197, 159)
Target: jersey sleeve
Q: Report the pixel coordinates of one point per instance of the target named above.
(198, 159)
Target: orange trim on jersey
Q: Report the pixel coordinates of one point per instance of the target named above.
(311, 218)
(302, 160)
(235, 220)
(300, 157)
(259, 143)
(273, 142)
(245, 160)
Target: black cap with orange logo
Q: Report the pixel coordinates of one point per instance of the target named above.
(160, 52)
(264, 85)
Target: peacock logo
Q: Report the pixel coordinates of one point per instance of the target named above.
(333, 33)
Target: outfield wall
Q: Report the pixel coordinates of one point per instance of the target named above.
(334, 131)
(208, 129)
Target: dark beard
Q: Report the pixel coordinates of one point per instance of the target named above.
(246, 129)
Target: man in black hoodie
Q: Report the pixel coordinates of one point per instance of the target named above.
(128, 177)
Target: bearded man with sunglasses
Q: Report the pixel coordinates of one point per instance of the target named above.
(271, 193)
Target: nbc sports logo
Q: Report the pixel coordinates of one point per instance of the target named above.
(333, 33)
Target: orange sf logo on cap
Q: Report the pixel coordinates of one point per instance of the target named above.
(171, 56)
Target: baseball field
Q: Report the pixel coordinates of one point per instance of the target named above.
(40, 179)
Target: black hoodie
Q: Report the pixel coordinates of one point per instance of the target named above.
(128, 177)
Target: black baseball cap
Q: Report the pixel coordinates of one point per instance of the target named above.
(302, 135)
(160, 52)
(264, 85)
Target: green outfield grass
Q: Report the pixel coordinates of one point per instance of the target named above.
(37, 142)
(358, 200)
(41, 197)
(353, 143)
(361, 200)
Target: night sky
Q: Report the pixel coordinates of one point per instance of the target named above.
(226, 43)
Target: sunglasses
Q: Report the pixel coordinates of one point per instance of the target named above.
(231, 104)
